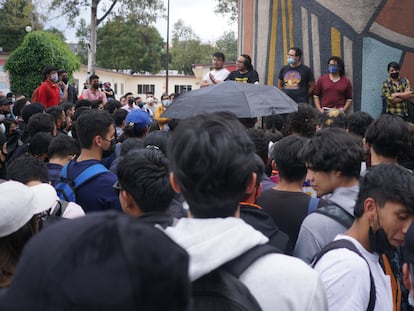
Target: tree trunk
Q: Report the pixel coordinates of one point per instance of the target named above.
(92, 43)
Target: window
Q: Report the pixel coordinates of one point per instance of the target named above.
(116, 88)
(145, 88)
(178, 89)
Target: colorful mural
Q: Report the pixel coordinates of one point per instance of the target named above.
(367, 34)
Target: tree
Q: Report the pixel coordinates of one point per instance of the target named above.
(187, 49)
(143, 11)
(83, 35)
(129, 45)
(227, 8)
(227, 44)
(15, 16)
(38, 49)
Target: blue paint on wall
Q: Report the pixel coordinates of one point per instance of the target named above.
(375, 58)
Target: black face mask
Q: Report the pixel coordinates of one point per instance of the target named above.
(107, 153)
(379, 242)
(95, 86)
(65, 80)
(394, 75)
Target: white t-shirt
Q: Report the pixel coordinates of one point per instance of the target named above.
(345, 276)
(220, 75)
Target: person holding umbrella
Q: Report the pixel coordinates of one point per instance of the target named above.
(245, 72)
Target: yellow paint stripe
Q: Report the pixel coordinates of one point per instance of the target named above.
(335, 42)
(290, 15)
(272, 47)
(284, 28)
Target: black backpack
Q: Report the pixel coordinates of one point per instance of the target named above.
(221, 289)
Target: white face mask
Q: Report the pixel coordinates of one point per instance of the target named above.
(2, 128)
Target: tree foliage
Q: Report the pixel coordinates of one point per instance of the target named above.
(83, 34)
(187, 49)
(128, 45)
(227, 8)
(143, 11)
(227, 44)
(15, 15)
(38, 49)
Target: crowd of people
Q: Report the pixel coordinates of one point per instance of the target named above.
(106, 205)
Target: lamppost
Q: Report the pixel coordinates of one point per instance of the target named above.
(167, 57)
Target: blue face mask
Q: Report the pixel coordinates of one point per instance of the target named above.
(333, 68)
(166, 102)
(291, 60)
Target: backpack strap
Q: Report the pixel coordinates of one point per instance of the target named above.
(88, 174)
(313, 204)
(337, 213)
(60, 208)
(238, 265)
(343, 243)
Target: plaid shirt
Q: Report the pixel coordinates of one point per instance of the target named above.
(388, 88)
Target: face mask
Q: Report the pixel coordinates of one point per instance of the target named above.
(107, 153)
(333, 69)
(166, 102)
(379, 242)
(13, 99)
(2, 128)
(54, 77)
(394, 75)
(95, 86)
(291, 60)
(65, 80)
(150, 100)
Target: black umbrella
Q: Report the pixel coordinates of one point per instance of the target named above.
(245, 100)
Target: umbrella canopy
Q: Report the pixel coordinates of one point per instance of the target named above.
(245, 100)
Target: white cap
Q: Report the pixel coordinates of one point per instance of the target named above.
(19, 203)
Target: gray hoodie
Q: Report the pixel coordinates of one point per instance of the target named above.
(318, 230)
(277, 281)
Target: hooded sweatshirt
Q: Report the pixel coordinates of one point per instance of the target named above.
(278, 282)
(318, 230)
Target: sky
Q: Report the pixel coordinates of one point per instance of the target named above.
(198, 14)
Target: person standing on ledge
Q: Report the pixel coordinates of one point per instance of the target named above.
(245, 72)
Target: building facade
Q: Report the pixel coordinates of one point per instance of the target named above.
(367, 34)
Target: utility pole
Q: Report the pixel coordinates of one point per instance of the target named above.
(167, 57)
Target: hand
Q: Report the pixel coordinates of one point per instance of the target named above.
(211, 76)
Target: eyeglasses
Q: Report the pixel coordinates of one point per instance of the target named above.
(290, 55)
(117, 187)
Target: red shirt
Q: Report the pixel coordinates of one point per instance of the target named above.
(49, 94)
(333, 94)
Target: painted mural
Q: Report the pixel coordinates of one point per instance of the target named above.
(367, 34)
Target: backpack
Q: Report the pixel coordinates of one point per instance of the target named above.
(342, 243)
(337, 213)
(66, 188)
(221, 289)
(56, 213)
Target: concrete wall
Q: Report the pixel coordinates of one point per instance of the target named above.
(367, 34)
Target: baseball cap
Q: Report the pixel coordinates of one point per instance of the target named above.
(140, 119)
(103, 261)
(19, 203)
(409, 245)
